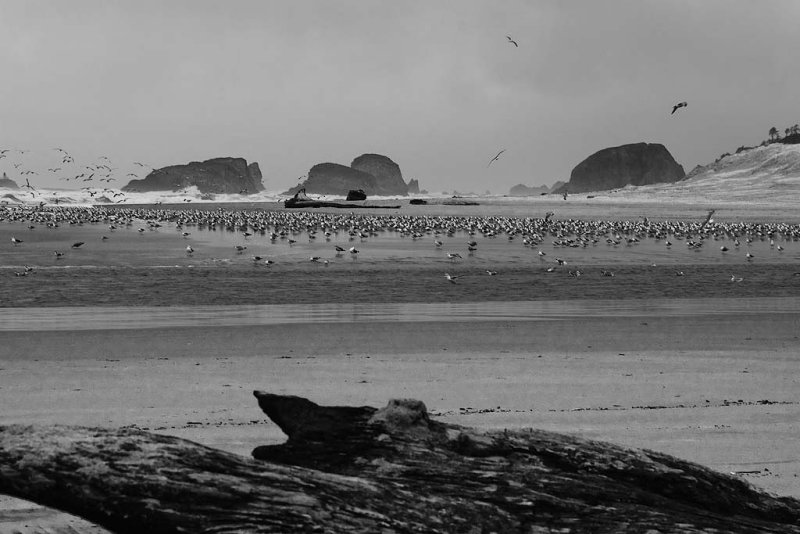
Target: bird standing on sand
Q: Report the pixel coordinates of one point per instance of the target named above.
(77, 244)
(16, 241)
(450, 278)
(677, 106)
(496, 157)
(453, 255)
(735, 278)
(512, 41)
(189, 249)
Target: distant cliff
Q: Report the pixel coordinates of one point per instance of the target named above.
(218, 175)
(774, 166)
(8, 183)
(615, 167)
(374, 173)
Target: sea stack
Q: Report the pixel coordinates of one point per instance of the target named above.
(218, 175)
(615, 167)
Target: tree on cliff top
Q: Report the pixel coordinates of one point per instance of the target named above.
(774, 134)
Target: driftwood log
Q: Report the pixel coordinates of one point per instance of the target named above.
(360, 469)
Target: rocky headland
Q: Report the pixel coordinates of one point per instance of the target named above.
(373, 173)
(218, 175)
(616, 167)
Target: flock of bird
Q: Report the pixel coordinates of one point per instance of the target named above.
(543, 235)
(95, 177)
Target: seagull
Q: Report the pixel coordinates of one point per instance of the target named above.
(512, 41)
(749, 256)
(708, 218)
(58, 254)
(677, 106)
(16, 241)
(77, 244)
(453, 255)
(496, 157)
(189, 249)
(353, 250)
(450, 278)
(240, 248)
(735, 278)
(490, 272)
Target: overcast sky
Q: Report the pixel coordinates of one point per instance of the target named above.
(434, 85)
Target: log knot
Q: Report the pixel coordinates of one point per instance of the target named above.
(407, 417)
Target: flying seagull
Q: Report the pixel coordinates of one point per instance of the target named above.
(677, 106)
(496, 157)
(512, 41)
(708, 218)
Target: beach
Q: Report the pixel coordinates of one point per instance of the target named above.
(696, 365)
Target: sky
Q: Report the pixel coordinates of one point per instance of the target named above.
(435, 85)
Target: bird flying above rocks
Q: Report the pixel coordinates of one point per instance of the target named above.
(496, 157)
(677, 106)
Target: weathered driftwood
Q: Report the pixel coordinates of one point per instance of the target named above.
(350, 469)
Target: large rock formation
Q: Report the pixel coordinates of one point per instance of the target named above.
(336, 179)
(375, 174)
(413, 187)
(389, 178)
(521, 190)
(218, 175)
(634, 164)
(8, 183)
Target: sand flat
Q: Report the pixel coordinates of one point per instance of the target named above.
(712, 391)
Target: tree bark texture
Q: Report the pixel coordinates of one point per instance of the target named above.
(393, 470)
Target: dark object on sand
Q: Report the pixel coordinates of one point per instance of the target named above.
(301, 200)
(393, 470)
(458, 202)
(418, 201)
(356, 194)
